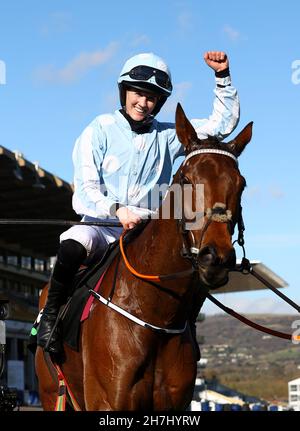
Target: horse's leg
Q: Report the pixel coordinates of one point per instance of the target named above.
(48, 388)
(175, 374)
(95, 370)
(118, 375)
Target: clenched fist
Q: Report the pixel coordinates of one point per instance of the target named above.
(217, 60)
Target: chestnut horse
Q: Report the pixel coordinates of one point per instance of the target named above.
(122, 365)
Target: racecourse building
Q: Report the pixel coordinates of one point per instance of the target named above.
(26, 252)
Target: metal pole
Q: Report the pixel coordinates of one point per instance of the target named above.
(54, 222)
(2, 346)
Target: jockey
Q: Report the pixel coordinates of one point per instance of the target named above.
(118, 159)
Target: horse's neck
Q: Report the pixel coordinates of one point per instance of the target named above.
(162, 241)
(161, 244)
(157, 251)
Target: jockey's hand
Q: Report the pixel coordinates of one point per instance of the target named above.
(217, 60)
(127, 218)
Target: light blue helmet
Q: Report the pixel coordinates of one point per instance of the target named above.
(146, 72)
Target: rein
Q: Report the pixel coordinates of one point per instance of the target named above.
(251, 323)
(156, 278)
(245, 268)
(218, 213)
(149, 278)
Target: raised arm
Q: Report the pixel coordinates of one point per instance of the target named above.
(226, 107)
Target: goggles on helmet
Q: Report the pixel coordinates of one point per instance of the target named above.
(144, 73)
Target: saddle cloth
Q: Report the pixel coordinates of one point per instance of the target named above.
(72, 315)
(84, 281)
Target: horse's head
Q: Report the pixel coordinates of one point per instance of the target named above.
(208, 239)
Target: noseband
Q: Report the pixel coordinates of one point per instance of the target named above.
(218, 213)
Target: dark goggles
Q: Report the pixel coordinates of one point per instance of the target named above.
(143, 73)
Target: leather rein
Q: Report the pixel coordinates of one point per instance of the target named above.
(220, 214)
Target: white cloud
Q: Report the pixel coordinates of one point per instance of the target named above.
(264, 193)
(252, 192)
(185, 21)
(58, 22)
(77, 67)
(141, 39)
(276, 192)
(232, 33)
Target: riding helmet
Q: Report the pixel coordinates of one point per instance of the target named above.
(150, 83)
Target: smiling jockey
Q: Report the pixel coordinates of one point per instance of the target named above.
(118, 159)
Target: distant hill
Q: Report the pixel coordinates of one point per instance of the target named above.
(248, 360)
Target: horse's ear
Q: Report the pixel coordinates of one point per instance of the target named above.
(238, 144)
(185, 131)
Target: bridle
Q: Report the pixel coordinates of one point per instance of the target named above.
(218, 213)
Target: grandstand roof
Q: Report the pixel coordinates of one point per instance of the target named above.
(243, 282)
(29, 192)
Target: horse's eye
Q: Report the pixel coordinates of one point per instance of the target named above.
(185, 180)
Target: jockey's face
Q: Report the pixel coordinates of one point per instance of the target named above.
(140, 103)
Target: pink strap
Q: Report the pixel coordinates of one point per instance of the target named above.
(86, 310)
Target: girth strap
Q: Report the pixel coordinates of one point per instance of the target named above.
(136, 319)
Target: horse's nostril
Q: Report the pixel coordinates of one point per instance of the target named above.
(208, 256)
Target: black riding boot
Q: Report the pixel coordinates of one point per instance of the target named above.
(57, 296)
(70, 256)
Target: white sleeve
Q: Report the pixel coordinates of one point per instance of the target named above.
(225, 115)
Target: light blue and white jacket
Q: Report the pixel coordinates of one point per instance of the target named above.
(113, 164)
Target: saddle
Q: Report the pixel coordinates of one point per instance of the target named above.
(71, 314)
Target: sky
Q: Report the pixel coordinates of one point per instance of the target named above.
(59, 64)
